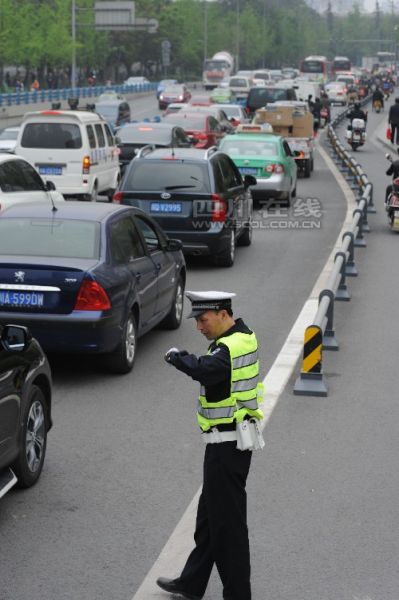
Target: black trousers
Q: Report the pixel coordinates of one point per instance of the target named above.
(395, 133)
(221, 532)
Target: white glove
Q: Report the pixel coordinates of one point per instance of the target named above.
(166, 357)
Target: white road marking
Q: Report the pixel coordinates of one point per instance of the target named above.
(175, 552)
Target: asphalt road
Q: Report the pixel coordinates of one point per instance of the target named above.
(124, 457)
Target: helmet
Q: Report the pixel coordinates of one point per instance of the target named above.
(357, 105)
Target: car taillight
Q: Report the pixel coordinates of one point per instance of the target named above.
(86, 165)
(200, 136)
(92, 296)
(219, 209)
(117, 197)
(274, 168)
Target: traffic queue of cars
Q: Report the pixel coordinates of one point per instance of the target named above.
(92, 278)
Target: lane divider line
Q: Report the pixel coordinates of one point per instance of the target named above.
(175, 552)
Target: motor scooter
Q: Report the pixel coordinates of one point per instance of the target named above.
(392, 202)
(324, 116)
(356, 135)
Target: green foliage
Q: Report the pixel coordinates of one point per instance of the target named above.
(36, 34)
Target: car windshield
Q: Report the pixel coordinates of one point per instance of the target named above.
(237, 147)
(68, 238)
(167, 175)
(144, 134)
(173, 89)
(9, 134)
(51, 135)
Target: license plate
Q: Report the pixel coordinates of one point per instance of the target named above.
(356, 136)
(166, 207)
(30, 299)
(248, 171)
(50, 170)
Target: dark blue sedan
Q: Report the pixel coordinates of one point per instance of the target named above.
(89, 278)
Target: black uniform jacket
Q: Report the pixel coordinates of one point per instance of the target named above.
(212, 370)
(393, 169)
(394, 114)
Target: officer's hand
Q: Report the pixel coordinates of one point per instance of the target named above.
(169, 353)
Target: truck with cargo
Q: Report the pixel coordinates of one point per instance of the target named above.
(217, 69)
(294, 121)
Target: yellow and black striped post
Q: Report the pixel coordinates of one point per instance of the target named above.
(312, 350)
(310, 382)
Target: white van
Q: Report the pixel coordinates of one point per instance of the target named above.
(304, 88)
(76, 149)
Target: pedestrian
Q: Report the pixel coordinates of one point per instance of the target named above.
(228, 416)
(393, 120)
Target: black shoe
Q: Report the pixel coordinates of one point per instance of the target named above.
(172, 586)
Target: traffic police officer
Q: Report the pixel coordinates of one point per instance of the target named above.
(228, 404)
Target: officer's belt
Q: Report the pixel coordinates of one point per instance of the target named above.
(214, 436)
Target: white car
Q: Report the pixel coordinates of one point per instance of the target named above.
(136, 81)
(240, 85)
(336, 92)
(74, 148)
(235, 113)
(20, 182)
(8, 138)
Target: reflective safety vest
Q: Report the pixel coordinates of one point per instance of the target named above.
(246, 393)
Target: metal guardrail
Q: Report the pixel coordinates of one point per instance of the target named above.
(320, 335)
(18, 98)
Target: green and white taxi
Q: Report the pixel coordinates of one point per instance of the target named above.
(259, 152)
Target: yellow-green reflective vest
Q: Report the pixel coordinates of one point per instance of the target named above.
(246, 393)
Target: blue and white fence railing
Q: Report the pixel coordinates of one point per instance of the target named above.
(57, 95)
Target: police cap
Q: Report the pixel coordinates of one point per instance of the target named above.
(203, 301)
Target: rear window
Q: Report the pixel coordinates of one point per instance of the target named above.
(168, 175)
(144, 135)
(51, 135)
(238, 82)
(237, 147)
(187, 123)
(50, 238)
(8, 134)
(261, 96)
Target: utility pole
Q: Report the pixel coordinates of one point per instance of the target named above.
(238, 34)
(73, 24)
(205, 30)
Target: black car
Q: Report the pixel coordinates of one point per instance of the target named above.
(115, 112)
(259, 96)
(134, 136)
(25, 407)
(89, 278)
(197, 196)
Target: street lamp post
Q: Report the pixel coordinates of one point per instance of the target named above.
(73, 27)
(205, 30)
(238, 35)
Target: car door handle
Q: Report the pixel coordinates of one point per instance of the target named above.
(137, 276)
(158, 266)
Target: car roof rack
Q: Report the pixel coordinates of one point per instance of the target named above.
(210, 151)
(145, 150)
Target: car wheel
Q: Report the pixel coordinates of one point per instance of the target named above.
(121, 361)
(307, 169)
(94, 194)
(227, 256)
(245, 238)
(174, 317)
(293, 193)
(29, 463)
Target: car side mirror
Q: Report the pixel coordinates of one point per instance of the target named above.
(249, 180)
(117, 139)
(15, 338)
(50, 186)
(173, 245)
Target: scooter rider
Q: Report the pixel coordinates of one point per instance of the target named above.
(394, 171)
(356, 113)
(378, 96)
